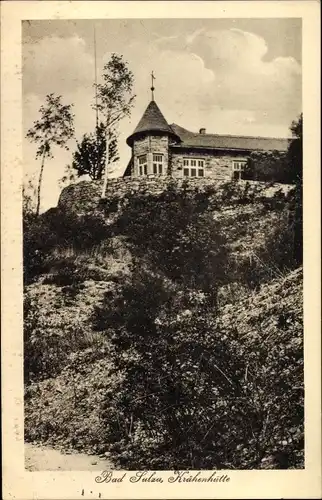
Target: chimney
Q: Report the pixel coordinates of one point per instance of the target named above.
(202, 131)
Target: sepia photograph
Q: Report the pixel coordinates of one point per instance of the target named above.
(162, 244)
(160, 250)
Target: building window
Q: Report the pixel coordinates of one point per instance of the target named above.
(143, 165)
(238, 169)
(157, 164)
(193, 167)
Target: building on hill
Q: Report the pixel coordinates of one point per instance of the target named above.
(162, 149)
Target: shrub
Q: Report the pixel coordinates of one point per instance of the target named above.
(45, 348)
(177, 234)
(57, 230)
(68, 272)
(268, 166)
(274, 258)
(54, 328)
(192, 395)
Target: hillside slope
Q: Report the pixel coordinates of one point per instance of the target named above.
(64, 410)
(184, 260)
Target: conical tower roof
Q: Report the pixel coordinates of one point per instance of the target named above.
(151, 121)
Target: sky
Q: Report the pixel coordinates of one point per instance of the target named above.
(230, 76)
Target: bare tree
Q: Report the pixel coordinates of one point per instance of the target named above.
(54, 127)
(114, 100)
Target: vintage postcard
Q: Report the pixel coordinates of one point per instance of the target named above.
(160, 249)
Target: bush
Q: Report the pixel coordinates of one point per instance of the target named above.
(268, 166)
(57, 230)
(67, 272)
(273, 259)
(55, 327)
(177, 235)
(46, 348)
(64, 411)
(192, 395)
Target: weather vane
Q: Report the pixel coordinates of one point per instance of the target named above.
(152, 87)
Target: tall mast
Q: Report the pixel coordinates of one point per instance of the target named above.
(95, 62)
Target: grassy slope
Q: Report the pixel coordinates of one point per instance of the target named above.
(64, 410)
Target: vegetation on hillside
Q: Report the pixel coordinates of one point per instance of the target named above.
(168, 336)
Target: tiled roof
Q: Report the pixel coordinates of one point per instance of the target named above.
(151, 121)
(230, 142)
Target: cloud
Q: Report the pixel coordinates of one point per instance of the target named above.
(242, 78)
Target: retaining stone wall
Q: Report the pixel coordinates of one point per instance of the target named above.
(84, 197)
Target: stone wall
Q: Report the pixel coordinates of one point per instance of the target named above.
(85, 197)
(219, 167)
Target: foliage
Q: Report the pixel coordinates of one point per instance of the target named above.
(28, 201)
(58, 230)
(295, 150)
(193, 395)
(268, 166)
(235, 193)
(278, 166)
(273, 258)
(54, 128)
(45, 348)
(89, 158)
(57, 327)
(295, 158)
(148, 365)
(114, 99)
(65, 410)
(177, 234)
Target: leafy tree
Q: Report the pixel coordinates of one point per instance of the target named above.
(54, 127)
(295, 158)
(268, 166)
(115, 100)
(89, 158)
(295, 150)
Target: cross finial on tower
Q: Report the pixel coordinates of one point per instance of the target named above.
(152, 87)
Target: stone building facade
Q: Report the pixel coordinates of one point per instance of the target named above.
(160, 149)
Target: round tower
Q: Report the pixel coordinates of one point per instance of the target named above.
(150, 144)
